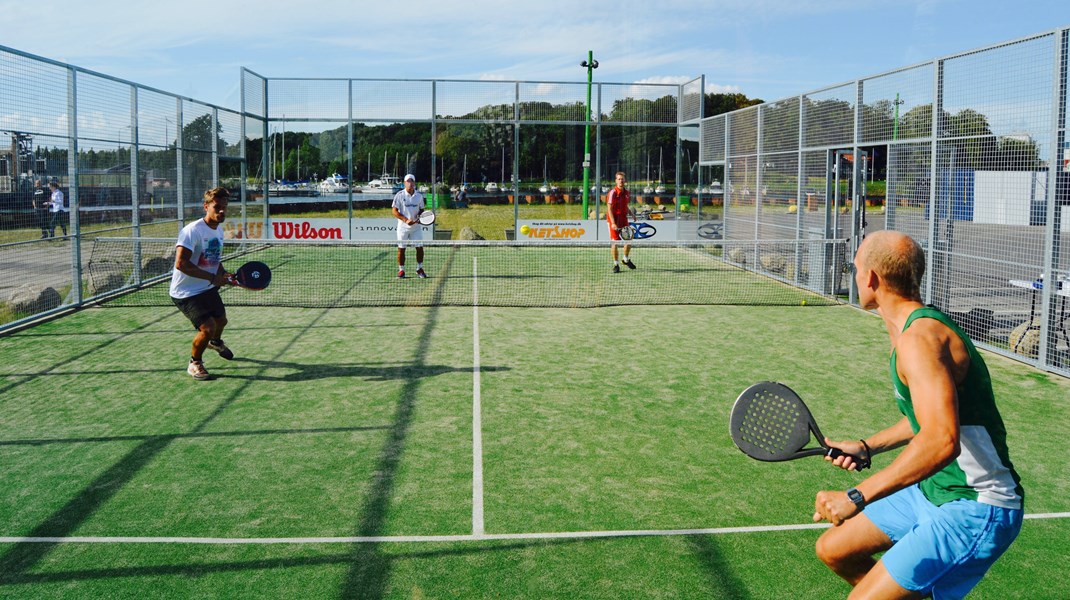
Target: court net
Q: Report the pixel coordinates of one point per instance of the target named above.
(136, 272)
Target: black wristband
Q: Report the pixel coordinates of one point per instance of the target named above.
(868, 460)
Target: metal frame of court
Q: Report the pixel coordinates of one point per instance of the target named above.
(975, 147)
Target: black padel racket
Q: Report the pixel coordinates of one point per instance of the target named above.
(770, 422)
(253, 275)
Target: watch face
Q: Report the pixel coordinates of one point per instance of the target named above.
(856, 496)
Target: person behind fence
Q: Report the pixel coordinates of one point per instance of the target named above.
(617, 215)
(950, 503)
(40, 207)
(407, 206)
(58, 210)
(197, 277)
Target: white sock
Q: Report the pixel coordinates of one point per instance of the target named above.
(616, 263)
(419, 265)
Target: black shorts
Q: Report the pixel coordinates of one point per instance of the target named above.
(201, 307)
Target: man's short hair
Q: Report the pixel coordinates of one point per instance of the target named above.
(216, 193)
(621, 173)
(899, 260)
(53, 184)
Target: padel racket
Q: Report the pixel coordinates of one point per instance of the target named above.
(770, 422)
(641, 231)
(626, 233)
(426, 217)
(253, 275)
(711, 231)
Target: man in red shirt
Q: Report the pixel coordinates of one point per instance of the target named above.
(617, 216)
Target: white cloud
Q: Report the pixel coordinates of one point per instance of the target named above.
(758, 47)
(716, 88)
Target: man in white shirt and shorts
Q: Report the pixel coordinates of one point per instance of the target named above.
(197, 277)
(58, 210)
(408, 204)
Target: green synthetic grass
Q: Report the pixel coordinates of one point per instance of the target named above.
(534, 275)
(358, 422)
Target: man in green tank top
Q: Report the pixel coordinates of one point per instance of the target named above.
(951, 502)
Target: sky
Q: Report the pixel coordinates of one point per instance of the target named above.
(768, 49)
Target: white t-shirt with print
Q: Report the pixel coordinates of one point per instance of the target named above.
(409, 207)
(206, 246)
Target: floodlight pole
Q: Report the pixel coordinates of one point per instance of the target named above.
(591, 64)
(895, 128)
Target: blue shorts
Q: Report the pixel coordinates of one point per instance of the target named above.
(942, 550)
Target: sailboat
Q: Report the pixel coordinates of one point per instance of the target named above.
(545, 187)
(660, 189)
(385, 183)
(492, 186)
(647, 189)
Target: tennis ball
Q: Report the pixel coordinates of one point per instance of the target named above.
(524, 229)
(803, 303)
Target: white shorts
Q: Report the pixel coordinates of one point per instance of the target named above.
(410, 233)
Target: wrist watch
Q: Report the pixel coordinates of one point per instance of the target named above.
(856, 496)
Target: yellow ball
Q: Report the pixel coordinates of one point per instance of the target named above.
(803, 303)
(524, 229)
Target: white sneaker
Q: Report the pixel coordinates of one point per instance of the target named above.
(197, 371)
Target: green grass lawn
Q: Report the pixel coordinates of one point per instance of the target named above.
(358, 423)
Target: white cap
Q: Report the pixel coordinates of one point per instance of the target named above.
(410, 177)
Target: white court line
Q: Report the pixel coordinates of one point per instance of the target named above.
(559, 535)
(477, 421)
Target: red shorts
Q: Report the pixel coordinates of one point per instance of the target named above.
(614, 234)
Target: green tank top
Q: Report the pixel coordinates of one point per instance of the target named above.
(983, 471)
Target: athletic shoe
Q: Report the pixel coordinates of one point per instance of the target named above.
(421, 273)
(197, 370)
(401, 274)
(221, 347)
(616, 268)
(629, 264)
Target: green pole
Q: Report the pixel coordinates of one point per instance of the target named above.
(591, 65)
(895, 128)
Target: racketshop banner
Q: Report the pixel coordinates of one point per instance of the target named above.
(598, 229)
(336, 229)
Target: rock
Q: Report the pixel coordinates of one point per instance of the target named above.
(469, 234)
(30, 298)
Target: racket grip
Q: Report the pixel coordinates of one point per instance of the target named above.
(835, 453)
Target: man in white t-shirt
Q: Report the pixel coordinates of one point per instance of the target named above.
(197, 277)
(408, 204)
(58, 210)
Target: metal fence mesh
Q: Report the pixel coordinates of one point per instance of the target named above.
(393, 100)
(968, 154)
(553, 101)
(890, 101)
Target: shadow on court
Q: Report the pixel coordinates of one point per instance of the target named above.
(370, 372)
(368, 574)
(205, 568)
(186, 436)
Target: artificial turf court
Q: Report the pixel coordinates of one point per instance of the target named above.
(456, 452)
